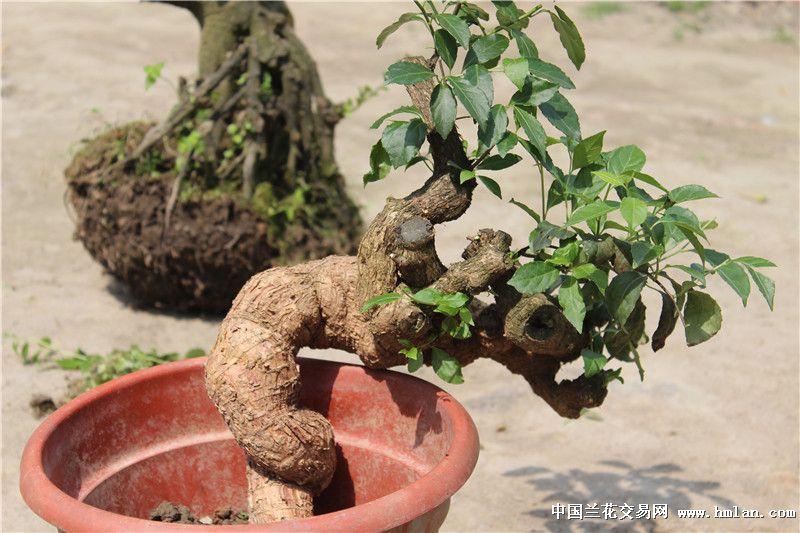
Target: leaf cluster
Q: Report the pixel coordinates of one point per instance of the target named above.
(623, 231)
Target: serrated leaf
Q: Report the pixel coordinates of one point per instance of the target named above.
(488, 47)
(525, 46)
(534, 277)
(496, 162)
(492, 185)
(507, 143)
(402, 140)
(406, 73)
(666, 323)
(402, 109)
(571, 301)
(427, 296)
(755, 262)
(565, 255)
(531, 213)
(570, 37)
(446, 366)
(588, 151)
(593, 363)
(379, 163)
(622, 294)
(446, 46)
(381, 299)
(736, 278)
(456, 27)
(472, 98)
(495, 128)
(516, 70)
(688, 193)
(624, 159)
(592, 211)
(394, 26)
(702, 317)
(443, 109)
(615, 180)
(533, 130)
(560, 113)
(765, 285)
(548, 71)
(633, 210)
(595, 275)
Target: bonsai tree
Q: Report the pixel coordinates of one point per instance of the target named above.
(602, 232)
(238, 177)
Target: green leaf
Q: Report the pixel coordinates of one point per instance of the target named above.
(592, 211)
(525, 46)
(624, 159)
(507, 143)
(736, 278)
(402, 109)
(571, 301)
(702, 317)
(560, 113)
(379, 164)
(456, 27)
(623, 293)
(412, 353)
(427, 296)
(755, 262)
(565, 255)
(402, 140)
(633, 210)
(595, 275)
(194, 352)
(446, 366)
(615, 180)
(495, 128)
(516, 70)
(456, 299)
(472, 97)
(593, 363)
(381, 299)
(406, 73)
(543, 235)
(492, 185)
(466, 175)
(481, 78)
(534, 92)
(152, 72)
(488, 47)
(695, 271)
(415, 364)
(687, 193)
(393, 27)
(443, 109)
(650, 180)
(643, 252)
(496, 162)
(765, 285)
(666, 322)
(548, 71)
(446, 46)
(533, 130)
(570, 38)
(534, 277)
(588, 151)
(531, 213)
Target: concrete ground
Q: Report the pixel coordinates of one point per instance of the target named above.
(712, 97)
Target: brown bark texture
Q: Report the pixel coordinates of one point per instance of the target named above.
(252, 376)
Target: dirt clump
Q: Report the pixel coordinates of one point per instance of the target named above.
(180, 514)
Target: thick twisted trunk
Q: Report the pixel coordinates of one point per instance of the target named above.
(252, 375)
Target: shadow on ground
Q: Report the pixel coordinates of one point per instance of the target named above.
(619, 483)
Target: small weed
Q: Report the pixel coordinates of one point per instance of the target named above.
(678, 6)
(781, 35)
(95, 369)
(599, 10)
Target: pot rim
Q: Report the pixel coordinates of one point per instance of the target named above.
(394, 509)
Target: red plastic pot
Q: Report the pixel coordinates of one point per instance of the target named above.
(104, 460)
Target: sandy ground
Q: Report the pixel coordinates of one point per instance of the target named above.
(712, 99)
